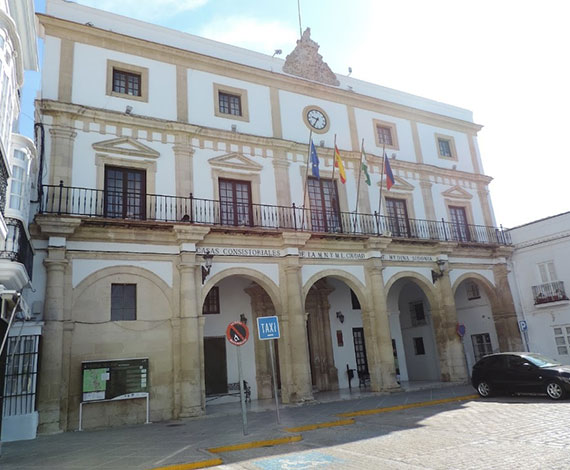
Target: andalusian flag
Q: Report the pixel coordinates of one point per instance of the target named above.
(365, 168)
(338, 164)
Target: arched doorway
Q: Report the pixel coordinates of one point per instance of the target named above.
(474, 311)
(236, 298)
(336, 335)
(412, 330)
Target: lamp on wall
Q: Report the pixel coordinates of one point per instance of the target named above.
(436, 275)
(243, 318)
(128, 109)
(340, 317)
(207, 266)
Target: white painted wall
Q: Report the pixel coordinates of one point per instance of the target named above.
(539, 242)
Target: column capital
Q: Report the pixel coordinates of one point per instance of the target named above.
(62, 132)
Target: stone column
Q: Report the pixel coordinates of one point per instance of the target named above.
(183, 158)
(52, 403)
(504, 313)
(377, 330)
(281, 172)
(62, 136)
(451, 355)
(299, 381)
(191, 353)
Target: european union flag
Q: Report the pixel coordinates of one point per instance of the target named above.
(314, 161)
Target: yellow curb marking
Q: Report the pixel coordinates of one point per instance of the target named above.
(254, 444)
(405, 407)
(192, 465)
(330, 424)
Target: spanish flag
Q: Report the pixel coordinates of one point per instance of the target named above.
(338, 164)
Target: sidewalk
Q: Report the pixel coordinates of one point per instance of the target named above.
(191, 441)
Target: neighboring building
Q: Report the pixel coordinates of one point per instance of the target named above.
(17, 173)
(540, 277)
(163, 147)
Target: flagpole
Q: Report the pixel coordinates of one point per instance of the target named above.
(359, 175)
(306, 178)
(382, 179)
(334, 157)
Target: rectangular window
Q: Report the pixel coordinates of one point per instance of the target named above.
(235, 202)
(459, 226)
(397, 215)
(212, 302)
(419, 348)
(562, 339)
(16, 187)
(229, 104)
(123, 302)
(473, 291)
(384, 134)
(354, 300)
(417, 313)
(444, 147)
(547, 272)
(127, 83)
(481, 345)
(125, 193)
(323, 198)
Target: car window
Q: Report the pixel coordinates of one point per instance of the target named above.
(540, 360)
(492, 362)
(515, 362)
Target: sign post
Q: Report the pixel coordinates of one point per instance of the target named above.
(461, 330)
(268, 329)
(523, 326)
(237, 334)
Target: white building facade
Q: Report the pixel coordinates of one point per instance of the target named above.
(163, 148)
(540, 275)
(18, 171)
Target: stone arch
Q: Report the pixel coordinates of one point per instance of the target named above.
(256, 276)
(423, 283)
(484, 282)
(351, 281)
(100, 274)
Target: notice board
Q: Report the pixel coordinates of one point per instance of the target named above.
(119, 379)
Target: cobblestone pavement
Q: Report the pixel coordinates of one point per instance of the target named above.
(505, 433)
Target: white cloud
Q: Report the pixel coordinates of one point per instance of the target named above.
(252, 33)
(147, 10)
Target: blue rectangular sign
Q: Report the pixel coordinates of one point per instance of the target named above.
(268, 328)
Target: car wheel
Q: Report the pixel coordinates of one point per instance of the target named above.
(555, 391)
(484, 389)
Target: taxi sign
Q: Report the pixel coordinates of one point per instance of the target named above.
(268, 328)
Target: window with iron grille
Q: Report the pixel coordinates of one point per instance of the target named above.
(212, 302)
(229, 104)
(417, 313)
(473, 291)
(562, 339)
(21, 375)
(384, 135)
(481, 345)
(128, 83)
(125, 193)
(123, 302)
(235, 202)
(323, 198)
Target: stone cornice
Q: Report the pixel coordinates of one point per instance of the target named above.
(115, 41)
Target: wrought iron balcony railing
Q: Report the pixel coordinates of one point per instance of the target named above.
(17, 247)
(86, 202)
(549, 292)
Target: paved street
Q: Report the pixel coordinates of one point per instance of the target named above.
(460, 433)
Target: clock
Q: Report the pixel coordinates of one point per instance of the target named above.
(316, 119)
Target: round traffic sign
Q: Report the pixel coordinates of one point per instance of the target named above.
(460, 330)
(237, 333)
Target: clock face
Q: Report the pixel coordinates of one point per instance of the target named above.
(316, 119)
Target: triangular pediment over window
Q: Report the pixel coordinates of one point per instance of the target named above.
(126, 146)
(235, 161)
(457, 193)
(400, 184)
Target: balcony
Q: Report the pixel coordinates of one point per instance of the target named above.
(86, 202)
(17, 247)
(549, 292)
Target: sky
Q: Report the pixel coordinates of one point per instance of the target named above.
(505, 60)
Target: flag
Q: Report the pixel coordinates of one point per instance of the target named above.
(365, 168)
(314, 161)
(338, 164)
(389, 175)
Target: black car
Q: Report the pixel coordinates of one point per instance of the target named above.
(522, 372)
